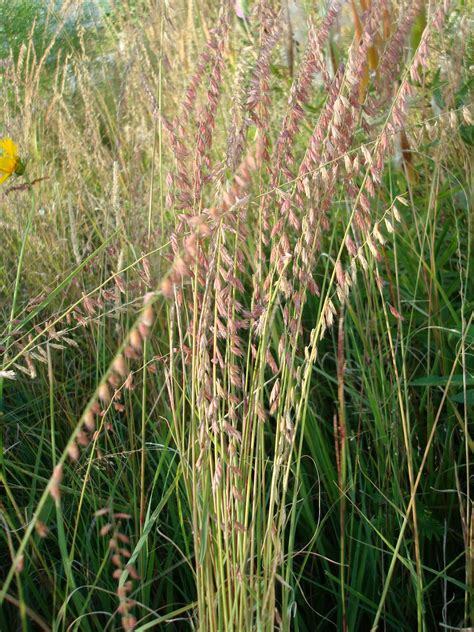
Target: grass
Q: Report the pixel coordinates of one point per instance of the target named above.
(237, 319)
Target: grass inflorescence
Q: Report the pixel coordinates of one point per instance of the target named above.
(237, 317)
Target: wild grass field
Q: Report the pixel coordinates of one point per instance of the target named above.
(236, 315)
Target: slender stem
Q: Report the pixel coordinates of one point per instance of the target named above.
(21, 256)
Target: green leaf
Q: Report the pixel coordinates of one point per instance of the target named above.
(442, 380)
(459, 397)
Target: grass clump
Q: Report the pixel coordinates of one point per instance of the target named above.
(237, 321)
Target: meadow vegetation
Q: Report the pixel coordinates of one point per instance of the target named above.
(236, 316)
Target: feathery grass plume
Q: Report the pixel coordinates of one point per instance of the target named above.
(277, 420)
(119, 556)
(258, 96)
(300, 92)
(392, 57)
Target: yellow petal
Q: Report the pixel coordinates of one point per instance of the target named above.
(8, 147)
(4, 176)
(8, 164)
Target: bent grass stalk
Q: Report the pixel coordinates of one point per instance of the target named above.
(60, 462)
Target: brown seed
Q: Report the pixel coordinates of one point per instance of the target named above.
(41, 529)
(120, 284)
(123, 538)
(114, 380)
(95, 408)
(20, 563)
(132, 572)
(128, 384)
(104, 393)
(136, 340)
(116, 560)
(147, 318)
(89, 421)
(123, 609)
(130, 353)
(101, 512)
(167, 288)
(120, 366)
(55, 482)
(55, 492)
(58, 473)
(82, 438)
(129, 622)
(105, 529)
(144, 330)
(180, 268)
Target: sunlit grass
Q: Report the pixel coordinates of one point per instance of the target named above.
(236, 335)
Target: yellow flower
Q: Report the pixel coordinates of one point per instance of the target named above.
(10, 161)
